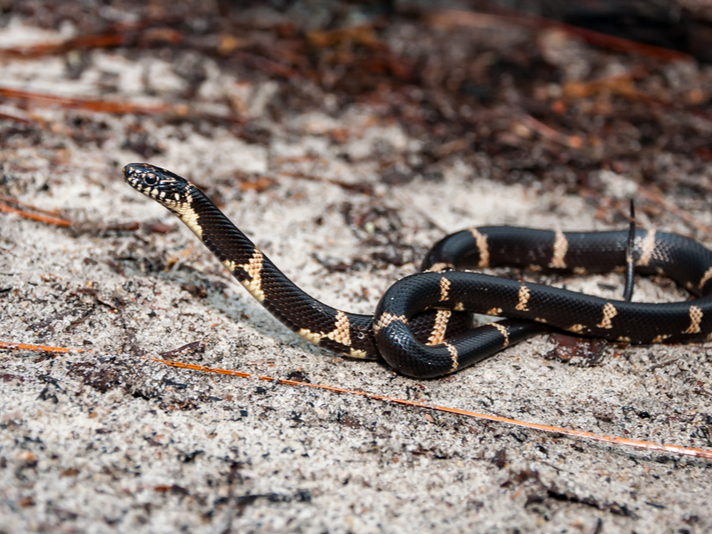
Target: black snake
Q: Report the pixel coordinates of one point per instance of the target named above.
(422, 324)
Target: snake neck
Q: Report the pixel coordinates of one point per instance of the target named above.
(346, 333)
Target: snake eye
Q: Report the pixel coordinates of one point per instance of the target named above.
(150, 179)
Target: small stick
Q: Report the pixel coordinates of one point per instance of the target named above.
(629, 261)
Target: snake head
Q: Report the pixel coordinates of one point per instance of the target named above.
(159, 184)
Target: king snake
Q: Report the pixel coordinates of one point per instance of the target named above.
(422, 326)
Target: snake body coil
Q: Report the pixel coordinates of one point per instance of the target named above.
(421, 326)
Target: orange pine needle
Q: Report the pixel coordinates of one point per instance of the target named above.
(14, 202)
(449, 18)
(647, 445)
(43, 348)
(639, 444)
(36, 216)
(82, 103)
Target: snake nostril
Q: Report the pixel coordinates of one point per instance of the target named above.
(130, 172)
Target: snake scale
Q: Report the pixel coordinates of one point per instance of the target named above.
(422, 325)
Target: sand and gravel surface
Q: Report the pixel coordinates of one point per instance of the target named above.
(345, 188)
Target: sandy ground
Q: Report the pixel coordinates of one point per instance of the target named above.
(106, 441)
